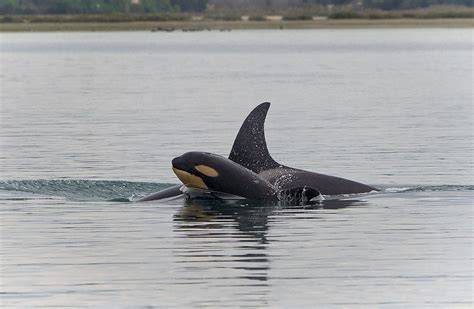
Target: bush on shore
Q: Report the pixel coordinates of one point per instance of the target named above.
(297, 17)
(107, 18)
(430, 13)
(257, 18)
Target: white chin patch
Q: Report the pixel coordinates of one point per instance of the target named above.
(205, 193)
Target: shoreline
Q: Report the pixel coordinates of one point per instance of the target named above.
(237, 25)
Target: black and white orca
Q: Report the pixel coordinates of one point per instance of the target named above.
(251, 173)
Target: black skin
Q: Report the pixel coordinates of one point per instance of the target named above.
(250, 150)
(252, 173)
(237, 180)
(325, 184)
(232, 178)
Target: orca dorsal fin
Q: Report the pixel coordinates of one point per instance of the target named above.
(250, 148)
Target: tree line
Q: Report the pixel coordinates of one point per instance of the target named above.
(196, 6)
(99, 6)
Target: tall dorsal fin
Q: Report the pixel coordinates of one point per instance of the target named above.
(250, 148)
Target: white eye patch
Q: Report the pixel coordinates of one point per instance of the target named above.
(207, 170)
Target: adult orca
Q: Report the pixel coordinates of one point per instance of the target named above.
(250, 171)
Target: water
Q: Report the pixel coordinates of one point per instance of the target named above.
(90, 121)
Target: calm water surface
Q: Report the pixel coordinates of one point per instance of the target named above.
(89, 120)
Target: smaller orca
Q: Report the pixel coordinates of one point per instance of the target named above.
(219, 175)
(250, 172)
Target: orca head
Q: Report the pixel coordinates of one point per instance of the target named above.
(203, 170)
(200, 170)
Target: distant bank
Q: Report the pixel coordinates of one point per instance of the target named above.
(221, 25)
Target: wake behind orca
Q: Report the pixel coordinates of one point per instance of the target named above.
(251, 173)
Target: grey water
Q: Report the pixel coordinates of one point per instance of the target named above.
(90, 121)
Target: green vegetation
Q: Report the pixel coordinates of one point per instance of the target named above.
(191, 25)
(106, 18)
(28, 7)
(257, 18)
(220, 7)
(196, 15)
(412, 4)
(432, 13)
(228, 16)
(298, 17)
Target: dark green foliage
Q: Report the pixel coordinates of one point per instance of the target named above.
(326, 2)
(190, 5)
(257, 18)
(411, 4)
(418, 13)
(8, 6)
(98, 6)
(297, 17)
(153, 6)
(229, 9)
(97, 18)
(344, 15)
(227, 16)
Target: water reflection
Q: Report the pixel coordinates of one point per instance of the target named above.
(251, 217)
(233, 236)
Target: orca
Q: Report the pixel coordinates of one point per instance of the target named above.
(251, 173)
(215, 176)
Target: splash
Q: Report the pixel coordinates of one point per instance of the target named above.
(80, 190)
(440, 188)
(126, 191)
